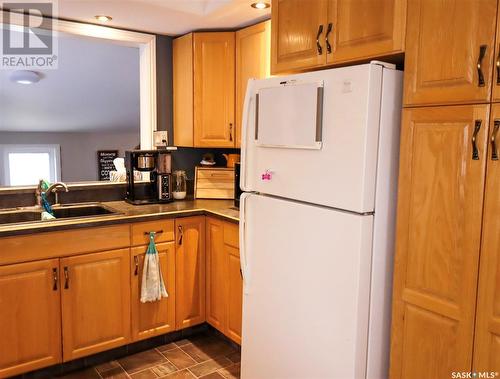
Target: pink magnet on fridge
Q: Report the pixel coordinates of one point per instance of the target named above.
(267, 175)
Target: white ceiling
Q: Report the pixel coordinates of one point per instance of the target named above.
(171, 17)
(95, 87)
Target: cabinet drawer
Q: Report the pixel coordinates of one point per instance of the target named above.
(215, 174)
(231, 235)
(140, 231)
(62, 243)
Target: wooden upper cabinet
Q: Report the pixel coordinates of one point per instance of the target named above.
(253, 60)
(190, 271)
(487, 340)
(30, 317)
(95, 302)
(365, 28)
(295, 27)
(182, 62)
(157, 317)
(440, 206)
(444, 45)
(214, 66)
(496, 67)
(204, 90)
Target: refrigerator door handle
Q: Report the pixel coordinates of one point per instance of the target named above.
(243, 243)
(244, 134)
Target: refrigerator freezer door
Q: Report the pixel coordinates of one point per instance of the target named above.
(341, 171)
(306, 276)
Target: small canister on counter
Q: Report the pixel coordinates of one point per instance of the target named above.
(180, 186)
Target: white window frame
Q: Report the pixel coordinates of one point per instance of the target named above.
(53, 150)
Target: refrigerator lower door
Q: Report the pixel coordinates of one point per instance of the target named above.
(306, 272)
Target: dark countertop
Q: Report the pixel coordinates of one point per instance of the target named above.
(128, 213)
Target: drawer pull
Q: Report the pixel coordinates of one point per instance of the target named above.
(494, 148)
(480, 76)
(54, 278)
(136, 262)
(318, 45)
(328, 31)
(157, 232)
(475, 151)
(66, 278)
(180, 234)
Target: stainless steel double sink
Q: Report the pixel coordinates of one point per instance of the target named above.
(24, 215)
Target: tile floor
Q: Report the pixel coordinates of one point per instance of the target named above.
(200, 356)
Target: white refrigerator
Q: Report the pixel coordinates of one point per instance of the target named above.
(319, 174)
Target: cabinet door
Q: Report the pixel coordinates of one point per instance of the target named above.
(235, 294)
(182, 78)
(363, 29)
(158, 317)
(216, 274)
(30, 317)
(95, 302)
(443, 48)
(438, 235)
(214, 89)
(234, 282)
(295, 27)
(190, 271)
(487, 341)
(253, 60)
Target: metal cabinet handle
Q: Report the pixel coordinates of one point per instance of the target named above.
(136, 263)
(54, 279)
(155, 232)
(66, 278)
(180, 234)
(328, 31)
(498, 66)
(231, 131)
(477, 128)
(318, 45)
(241, 273)
(494, 149)
(480, 76)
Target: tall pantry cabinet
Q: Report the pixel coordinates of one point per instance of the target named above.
(446, 299)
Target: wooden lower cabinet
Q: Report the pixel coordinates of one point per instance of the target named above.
(190, 271)
(95, 302)
(158, 317)
(440, 205)
(224, 283)
(216, 273)
(30, 317)
(234, 294)
(487, 338)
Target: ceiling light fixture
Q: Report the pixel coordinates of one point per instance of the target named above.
(25, 77)
(103, 18)
(260, 5)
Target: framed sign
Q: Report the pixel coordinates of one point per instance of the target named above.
(105, 162)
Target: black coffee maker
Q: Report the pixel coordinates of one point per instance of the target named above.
(153, 163)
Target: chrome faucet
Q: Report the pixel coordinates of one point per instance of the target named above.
(53, 188)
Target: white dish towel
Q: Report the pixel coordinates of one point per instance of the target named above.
(153, 287)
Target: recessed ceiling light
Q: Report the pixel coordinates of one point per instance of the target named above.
(103, 18)
(260, 5)
(25, 77)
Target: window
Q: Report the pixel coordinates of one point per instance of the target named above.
(27, 164)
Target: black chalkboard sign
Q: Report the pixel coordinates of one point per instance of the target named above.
(105, 162)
